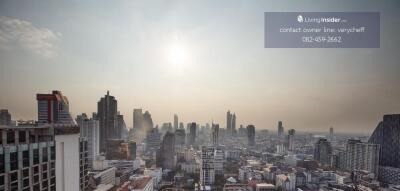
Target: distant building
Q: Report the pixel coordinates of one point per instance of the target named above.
(331, 136)
(387, 135)
(176, 122)
(207, 171)
(215, 134)
(323, 151)
(53, 108)
(5, 117)
(265, 187)
(153, 140)
(119, 127)
(106, 113)
(251, 133)
(362, 156)
(142, 183)
(192, 134)
(290, 140)
(89, 129)
(166, 154)
(118, 149)
(180, 137)
(281, 131)
(219, 156)
(230, 123)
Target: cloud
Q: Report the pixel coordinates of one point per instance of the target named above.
(20, 34)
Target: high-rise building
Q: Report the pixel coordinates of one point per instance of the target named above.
(176, 122)
(229, 122)
(147, 121)
(153, 140)
(166, 154)
(106, 113)
(251, 135)
(219, 156)
(53, 108)
(89, 129)
(137, 118)
(192, 133)
(281, 131)
(290, 140)
(331, 134)
(362, 156)
(387, 135)
(5, 117)
(30, 164)
(119, 127)
(233, 123)
(323, 151)
(207, 171)
(215, 134)
(180, 137)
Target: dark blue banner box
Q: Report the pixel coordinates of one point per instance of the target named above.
(322, 30)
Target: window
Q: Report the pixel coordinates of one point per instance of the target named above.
(35, 156)
(22, 137)
(13, 161)
(1, 180)
(35, 170)
(52, 153)
(25, 158)
(26, 182)
(10, 137)
(2, 164)
(13, 176)
(25, 173)
(44, 154)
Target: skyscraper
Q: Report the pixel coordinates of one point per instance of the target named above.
(331, 133)
(251, 133)
(233, 127)
(89, 129)
(215, 134)
(166, 153)
(362, 156)
(229, 122)
(53, 108)
(323, 151)
(280, 129)
(176, 122)
(137, 119)
(207, 171)
(290, 139)
(387, 135)
(119, 127)
(180, 137)
(5, 117)
(192, 134)
(153, 140)
(106, 113)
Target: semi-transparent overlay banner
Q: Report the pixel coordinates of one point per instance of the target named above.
(322, 30)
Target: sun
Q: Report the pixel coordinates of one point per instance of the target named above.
(177, 54)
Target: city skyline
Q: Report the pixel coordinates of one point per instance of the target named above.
(175, 58)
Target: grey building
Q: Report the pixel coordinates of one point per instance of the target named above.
(5, 117)
(251, 135)
(106, 113)
(323, 151)
(387, 135)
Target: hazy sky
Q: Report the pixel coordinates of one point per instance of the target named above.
(197, 59)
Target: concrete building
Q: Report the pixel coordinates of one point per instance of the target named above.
(176, 122)
(290, 140)
(166, 154)
(53, 108)
(207, 171)
(387, 134)
(106, 113)
(215, 134)
(28, 157)
(362, 156)
(251, 134)
(265, 187)
(142, 183)
(323, 151)
(5, 117)
(89, 129)
(281, 131)
(192, 134)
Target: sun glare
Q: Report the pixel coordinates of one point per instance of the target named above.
(177, 54)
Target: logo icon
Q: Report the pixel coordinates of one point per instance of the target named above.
(300, 19)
